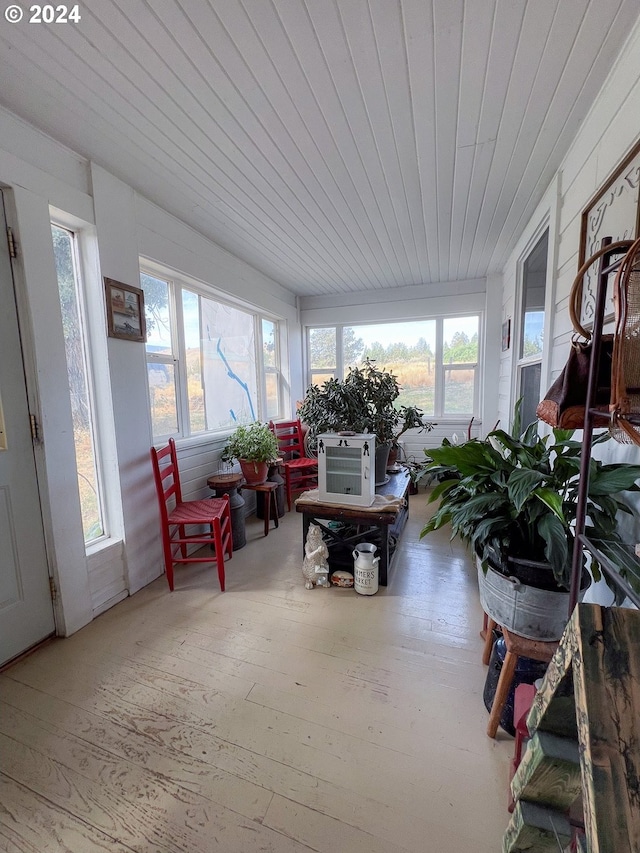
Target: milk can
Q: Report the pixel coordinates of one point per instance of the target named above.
(365, 570)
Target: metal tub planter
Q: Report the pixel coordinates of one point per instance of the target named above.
(530, 611)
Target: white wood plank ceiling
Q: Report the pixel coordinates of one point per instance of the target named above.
(336, 145)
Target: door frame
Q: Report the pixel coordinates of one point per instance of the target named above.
(25, 332)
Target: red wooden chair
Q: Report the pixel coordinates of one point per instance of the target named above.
(300, 471)
(176, 515)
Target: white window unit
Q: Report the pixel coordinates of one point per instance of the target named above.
(346, 468)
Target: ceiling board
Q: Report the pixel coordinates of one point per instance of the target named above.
(336, 145)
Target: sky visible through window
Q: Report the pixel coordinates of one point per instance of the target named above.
(408, 331)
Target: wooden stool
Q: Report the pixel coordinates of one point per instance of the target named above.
(268, 489)
(517, 647)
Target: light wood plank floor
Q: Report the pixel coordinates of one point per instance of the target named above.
(265, 718)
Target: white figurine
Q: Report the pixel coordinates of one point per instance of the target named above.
(315, 568)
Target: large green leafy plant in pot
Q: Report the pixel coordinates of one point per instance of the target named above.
(363, 402)
(516, 497)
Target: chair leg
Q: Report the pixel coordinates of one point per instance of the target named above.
(274, 508)
(288, 483)
(226, 523)
(182, 534)
(267, 511)
(217, 536)
(168, 557)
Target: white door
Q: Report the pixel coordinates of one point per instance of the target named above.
(26, 610)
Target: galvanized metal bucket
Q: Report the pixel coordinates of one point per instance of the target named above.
(537, 614)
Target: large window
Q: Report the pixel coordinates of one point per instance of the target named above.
(80, 385)
(211, 365)
(531, 331)
(435, 359)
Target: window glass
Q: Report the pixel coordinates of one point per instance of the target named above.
(229, 365)
(460, 340)
(270, 366)
(460, 361)
(529, 392)
(531, 344)
(458, 390)
(160, 348)
(322, 349)
(533, 298)
(162, 398)
(156, 310)
(435, 359)
(406, 349)
(193, 361)
(211, 366)
(82, 409)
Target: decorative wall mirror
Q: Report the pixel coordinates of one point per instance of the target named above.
(612, 212)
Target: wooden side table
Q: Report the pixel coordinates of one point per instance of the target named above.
(228, 484)
(268, 491)
(274, 476)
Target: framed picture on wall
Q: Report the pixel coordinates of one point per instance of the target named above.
(506, 335)
(614, 211)
(125, 311)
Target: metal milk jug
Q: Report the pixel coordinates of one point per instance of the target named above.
(365, 569)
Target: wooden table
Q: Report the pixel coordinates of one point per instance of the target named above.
(361, 524)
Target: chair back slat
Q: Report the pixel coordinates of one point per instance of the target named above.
(289, 437)
(166, 476)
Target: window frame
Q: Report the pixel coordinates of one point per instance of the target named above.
(522, 362)
(440, 366)
(177, 284)
(80, 259)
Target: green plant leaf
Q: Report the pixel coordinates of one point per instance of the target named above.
(610, 479)
(443, 486)
(551, 499)
(556, 547)
(521, 484)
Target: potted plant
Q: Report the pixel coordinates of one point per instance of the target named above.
(254, 446)
(514, 500)
(363, 402)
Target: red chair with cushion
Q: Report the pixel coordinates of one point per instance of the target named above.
(300, 471)
(176, 515)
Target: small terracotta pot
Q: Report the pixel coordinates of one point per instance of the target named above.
(254, 472)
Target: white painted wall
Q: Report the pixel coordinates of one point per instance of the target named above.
(42, 175)
(608, 132)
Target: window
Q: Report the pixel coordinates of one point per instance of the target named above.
(80, 385)
(270, 367)
(322, 355)
(435, 359)
(531, 337)
(211, 365)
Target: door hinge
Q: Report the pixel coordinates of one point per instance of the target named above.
(35, 429)
(53, 589)
(11, 240)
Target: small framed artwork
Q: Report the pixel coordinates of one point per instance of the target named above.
(614, 211)
(125, 311)
(506, 335)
